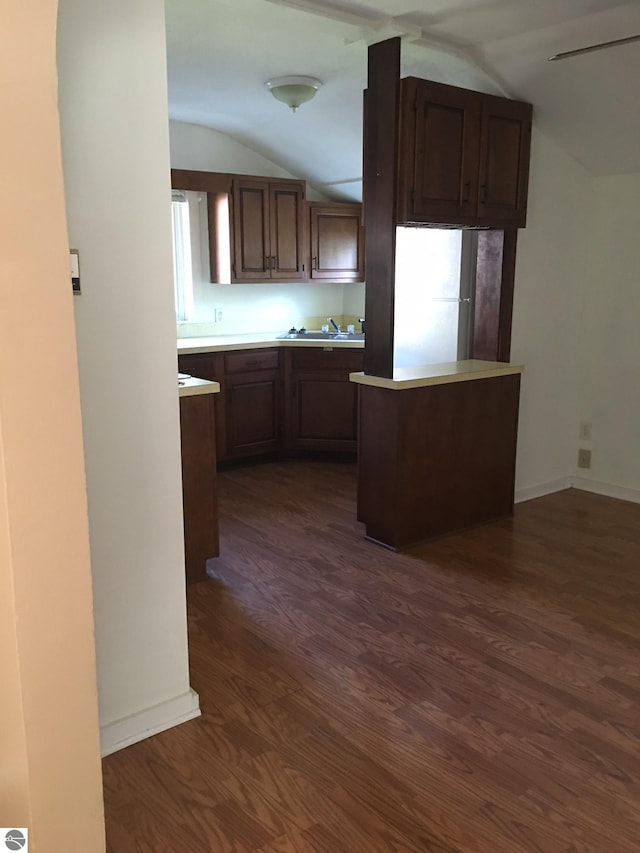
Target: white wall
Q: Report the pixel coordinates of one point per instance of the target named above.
(250, 308)
(552, 267)
(116, 167)
(204, 149)
(610, 341)
(353, 302)
(575, 328)
(254, 307)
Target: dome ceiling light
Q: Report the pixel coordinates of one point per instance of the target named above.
(293, 91)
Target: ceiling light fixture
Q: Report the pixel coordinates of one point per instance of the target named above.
(293, 91)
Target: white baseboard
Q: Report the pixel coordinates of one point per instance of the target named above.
(528, 493)
(151, 721)
(609, 490)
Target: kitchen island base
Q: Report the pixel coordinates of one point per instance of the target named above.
(436, 458)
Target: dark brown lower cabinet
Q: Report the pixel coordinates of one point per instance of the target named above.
(436, 459)
(252, 390)
(274, 400)
(253, 414)
(322, 410)
(209, 365)
(199, 496)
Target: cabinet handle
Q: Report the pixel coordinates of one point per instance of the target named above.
(274, 265)
(483, 193)
(466, 195)
(314, 263)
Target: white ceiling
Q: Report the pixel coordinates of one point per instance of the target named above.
(221, 52)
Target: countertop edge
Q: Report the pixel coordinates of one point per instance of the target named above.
(187, 346)
(438, 374)
(193, 386)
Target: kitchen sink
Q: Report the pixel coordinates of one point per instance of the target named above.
(322, 336)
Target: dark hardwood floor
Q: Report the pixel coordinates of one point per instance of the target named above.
(478, 694)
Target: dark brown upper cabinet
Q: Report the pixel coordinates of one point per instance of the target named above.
(337, 242)
(464, 157)
(268, 230)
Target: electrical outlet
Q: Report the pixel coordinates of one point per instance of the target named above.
(585, 430)
(584, 458)
(217, 315)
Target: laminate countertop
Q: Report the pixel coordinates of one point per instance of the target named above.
(220, 343)
(438, 374)
(190, 386)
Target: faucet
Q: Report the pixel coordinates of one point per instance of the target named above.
(334, 324)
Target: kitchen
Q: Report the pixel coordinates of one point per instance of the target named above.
(126, 321)
(503, 134)
(565, 330)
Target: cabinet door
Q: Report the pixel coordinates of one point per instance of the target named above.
(253, 423)
(337, 244)
(321, 401)
(251, 240)
(286, 203)
(440, 150)
(324, 412)
(505, 144)
(268, 230)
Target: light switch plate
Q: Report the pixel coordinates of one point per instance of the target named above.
(74, 261)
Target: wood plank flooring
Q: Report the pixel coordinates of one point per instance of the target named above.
(479, 694)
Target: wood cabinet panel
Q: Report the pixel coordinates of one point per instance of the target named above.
(321, 401)
(268, 230)
(251, 360)
(201, 365)
(253, 403)
(316, 412)
(464, 157)
(287, 232)
(445, 164)
(208, 365)
(317, 358)
(199, 495)
(337, 242)
(419, 474)
(251, 242)
(325, 412)
(504, 161)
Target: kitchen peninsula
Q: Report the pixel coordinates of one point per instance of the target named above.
(437, 449)
(437, 444)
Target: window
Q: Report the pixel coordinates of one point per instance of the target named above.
(182, 266)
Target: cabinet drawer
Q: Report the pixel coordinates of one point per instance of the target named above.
(201, 365)
(250, 360)
(323, 359)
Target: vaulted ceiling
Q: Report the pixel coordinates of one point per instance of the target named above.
(221, 53)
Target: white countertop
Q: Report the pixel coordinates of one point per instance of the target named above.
(439, 374)
(189, 386)
(219, 343)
